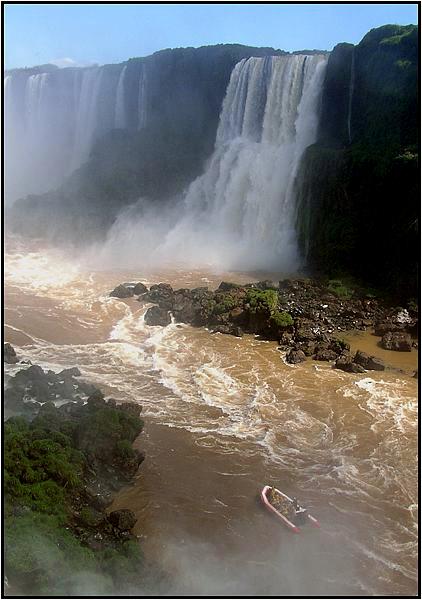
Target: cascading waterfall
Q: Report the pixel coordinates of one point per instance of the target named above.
(53, 118)
(241, 212)
(120, 117)
(142, 101)
(86, 114)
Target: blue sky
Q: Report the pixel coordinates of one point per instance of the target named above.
(108, 33)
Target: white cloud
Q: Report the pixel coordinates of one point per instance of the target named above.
(69, 62)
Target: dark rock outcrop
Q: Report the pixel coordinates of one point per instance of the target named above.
(398, 341)
(157, 316)
(228, 329)
(381, 329)
(325, 354)
(367, 147)
(295, 356)
(139, 289)
(122, 291)
(370, 363)
(30, 387)
(345, 363)
(9, 354)
(161, 294)
(123, 519)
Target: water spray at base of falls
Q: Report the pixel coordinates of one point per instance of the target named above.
(241, 212)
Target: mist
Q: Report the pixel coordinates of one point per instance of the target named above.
(268, 118)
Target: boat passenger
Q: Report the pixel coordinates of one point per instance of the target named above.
(272, 496)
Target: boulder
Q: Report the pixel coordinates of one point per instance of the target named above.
(286, 338)
(161, 294)
(304, 331)
(184, 306)
(381, 329)
(345, 363)
(398, 341)
(122, 519)
(308, 347)
(122, 291)
(370, 363)
(67, 373)
(228, 329)
(139, 289)
(157, 316)
(338, 346)
(226, 286)
(9, 354)
(295, 356)
(325, 354)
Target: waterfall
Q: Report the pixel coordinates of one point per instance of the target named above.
(52, 120)
(86, 115)
(241, 212)
(351, 89)
(120, 116)
(142, 102)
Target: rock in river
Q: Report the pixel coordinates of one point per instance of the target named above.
(122, 291)
(399, 341)
(370, 363)
(9, 354)
(345, 363)
(295, 356)
(157, 316)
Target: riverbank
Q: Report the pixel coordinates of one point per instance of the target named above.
(67, 451)
(307, 317)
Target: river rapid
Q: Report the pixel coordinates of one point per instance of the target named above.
(223, 417)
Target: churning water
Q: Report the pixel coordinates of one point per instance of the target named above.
(223, 417)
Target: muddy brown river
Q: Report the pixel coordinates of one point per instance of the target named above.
(223, 417)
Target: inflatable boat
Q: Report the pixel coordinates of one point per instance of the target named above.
(290, 524)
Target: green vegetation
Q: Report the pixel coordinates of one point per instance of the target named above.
(281, 319)
(341, 289)
(262, 301)
(44, 468)
(225, 303)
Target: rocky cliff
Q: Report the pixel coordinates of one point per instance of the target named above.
(358, 191)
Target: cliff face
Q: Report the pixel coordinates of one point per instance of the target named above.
(143, 128)
(358, 191)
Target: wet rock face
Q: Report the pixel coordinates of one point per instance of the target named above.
(229, 329)
(295, 356)
(325, 354)
(370, 363)
(161, 294)
(398, 341)
(32, 386)
(157, 316)
(139, 289)
(122, 291)
(124, 519)
(382, 328)
(345, 363)
(9, 354)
